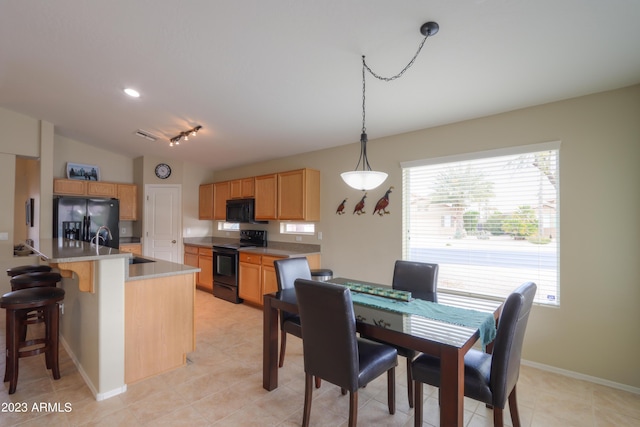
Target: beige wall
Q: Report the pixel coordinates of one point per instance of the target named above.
(595, 331)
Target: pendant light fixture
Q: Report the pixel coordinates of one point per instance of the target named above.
(366, 178)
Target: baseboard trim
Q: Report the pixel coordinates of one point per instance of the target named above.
(579, 376)
(85, 377)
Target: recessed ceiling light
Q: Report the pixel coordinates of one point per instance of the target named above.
(132, 92)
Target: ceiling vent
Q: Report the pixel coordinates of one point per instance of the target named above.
(146, 135)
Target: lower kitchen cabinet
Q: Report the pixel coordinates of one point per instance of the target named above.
(258, 275)
(134, 248)
(204, 279)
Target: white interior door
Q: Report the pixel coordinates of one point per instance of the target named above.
(163, 219)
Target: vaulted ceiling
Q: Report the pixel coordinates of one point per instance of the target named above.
(267, 79)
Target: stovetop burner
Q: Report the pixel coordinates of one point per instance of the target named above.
(248, 239)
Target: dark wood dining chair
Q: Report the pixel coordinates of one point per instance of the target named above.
(488, 378)
(333, 351)
(287, 271)
(421, 279)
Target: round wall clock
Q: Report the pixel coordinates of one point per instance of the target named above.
(163, 171)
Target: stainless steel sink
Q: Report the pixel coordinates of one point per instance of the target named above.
(139, 260)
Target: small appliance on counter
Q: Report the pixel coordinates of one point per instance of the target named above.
(225, 264)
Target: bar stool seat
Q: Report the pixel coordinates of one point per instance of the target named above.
(23, 269)
(17, 304)
(35, 280)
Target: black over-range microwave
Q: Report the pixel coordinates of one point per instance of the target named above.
(241, 210)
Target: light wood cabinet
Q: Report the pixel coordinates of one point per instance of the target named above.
(220, 196)
(204, 279)
(102, 189)
(249, 271)
(205, 202)
(72, 187)
(134, 248)
(126, 193)
(242, 188)
(128, 196)
(266, 197)
(299, 195)
(258, 275)
(191, 256)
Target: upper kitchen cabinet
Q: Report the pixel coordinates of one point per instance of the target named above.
(205, 202)
(69, 187)
(126, 193)
(266, 196)
(242, 188)
(102, 189)
(299, 195)
(128, 196)
(220, 197)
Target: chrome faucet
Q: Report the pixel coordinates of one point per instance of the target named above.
(98, 236)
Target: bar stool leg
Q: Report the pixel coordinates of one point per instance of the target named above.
(53, 317)
(7, 371)
(13, 344)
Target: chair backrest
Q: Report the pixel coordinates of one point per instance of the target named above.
(329, 341)
(290, 269)
(419, 278)
(507, 349)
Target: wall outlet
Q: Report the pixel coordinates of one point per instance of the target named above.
(188, 231)
(4, 236)
(123, 231)
(298, 238)
(319, 235)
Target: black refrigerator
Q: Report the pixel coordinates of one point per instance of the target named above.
(78, 218)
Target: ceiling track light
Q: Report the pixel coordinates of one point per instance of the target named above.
(184, 136)
(367, 179)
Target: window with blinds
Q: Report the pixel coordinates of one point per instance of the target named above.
(490, 220)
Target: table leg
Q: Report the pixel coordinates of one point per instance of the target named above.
(451, 387)
(269, 345)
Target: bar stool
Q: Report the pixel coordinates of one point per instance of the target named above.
(17, 304)
(23, 269)
(35, 280)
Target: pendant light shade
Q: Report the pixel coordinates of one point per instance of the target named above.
(363, 180)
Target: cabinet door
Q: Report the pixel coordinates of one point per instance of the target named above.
(299, 195)
(205, 202)
(101, 189)
(266, 195)
(220, 197)
(249, 287)
(248, 187)
(72, 187)
(127, 194)
(205, 263)
(134, 248)
(269, 279)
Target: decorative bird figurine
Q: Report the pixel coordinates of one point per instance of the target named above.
(340, 210)
(359, 209)
(383, 203)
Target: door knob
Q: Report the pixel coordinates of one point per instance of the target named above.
(173, 241)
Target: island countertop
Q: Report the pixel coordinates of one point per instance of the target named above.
(157, 268)
(60, 250)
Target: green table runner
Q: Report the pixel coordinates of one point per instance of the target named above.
(482, 321)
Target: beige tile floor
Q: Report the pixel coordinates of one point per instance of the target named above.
(222, 386)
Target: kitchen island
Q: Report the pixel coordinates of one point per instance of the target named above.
(121, 322)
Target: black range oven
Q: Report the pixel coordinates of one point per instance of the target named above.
(225, 264)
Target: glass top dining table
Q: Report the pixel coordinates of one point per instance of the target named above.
(412, 329)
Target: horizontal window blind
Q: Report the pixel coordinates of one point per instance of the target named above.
(491, 223)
